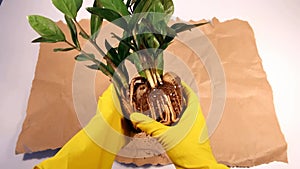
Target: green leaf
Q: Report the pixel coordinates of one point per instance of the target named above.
(150, 41)
(95, 24)
(136, 3)
(134, 20)
(102, 67)
(158, 34)
(142, 6)
(109, 15)
(68, 7)
(124, 46)
(94, 67)
(180, 27)
(168, 38)
(168, 7)
(83, 57)
(156, 13)
(84, 35)
(107, 45)
(96, 21)
(135, 59)
(112, 53)
(116, 5)
(97, 3)
(41, 39)
(123, 49)
(73, 31)
(45, 27)
(124, 42)
(156, 6)
(63, 49)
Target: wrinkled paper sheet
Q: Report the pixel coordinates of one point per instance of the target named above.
(247, 134)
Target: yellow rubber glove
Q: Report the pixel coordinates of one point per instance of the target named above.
(95, 146)
(187, 142)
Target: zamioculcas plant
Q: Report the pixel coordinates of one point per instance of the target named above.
(146, 34)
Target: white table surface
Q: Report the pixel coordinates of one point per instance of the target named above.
(275, 23)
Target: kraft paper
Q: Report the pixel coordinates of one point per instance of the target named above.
(248, 133)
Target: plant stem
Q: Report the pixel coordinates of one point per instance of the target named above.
(119, 74)
(72, 45)
(102, 68)
(90, 39)
(94, 43)
(81, 29)
(118, 80)
(158, 77)
(150, 78)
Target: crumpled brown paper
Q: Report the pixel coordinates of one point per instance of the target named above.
(247, 135)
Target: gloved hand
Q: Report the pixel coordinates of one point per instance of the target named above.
(187, 142)
(95, 146)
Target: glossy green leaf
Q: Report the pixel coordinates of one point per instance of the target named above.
(73, 31)
(107, 45)
(116, 5)
(123, 50)
(168, 38)
(41, 39)
(45, 27)
(94, 67)
(102, 67)
(135, 4)
(135, 59)
(168, 7)
(97, 3)
(143, 6)
(68, 7)
(134, 20)
(157, 34)
(63, 49)
(96, 21)
(124, 47)
(95, 24)
(112, 53)
(109, 15)
(181, 27)
(156, 13)
(125, 42)
(83, 57)
(150, 41)
(156, 6)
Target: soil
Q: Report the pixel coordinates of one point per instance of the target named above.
(164, 103)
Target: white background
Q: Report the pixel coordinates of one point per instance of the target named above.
(275, 23)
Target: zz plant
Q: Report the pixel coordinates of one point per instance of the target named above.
(146, 34)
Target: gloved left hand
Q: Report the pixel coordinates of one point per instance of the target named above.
(186, 143)
(95, 146)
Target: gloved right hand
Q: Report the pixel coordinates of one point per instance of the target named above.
(182, 141)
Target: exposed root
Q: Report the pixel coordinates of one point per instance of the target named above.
(161, 99)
